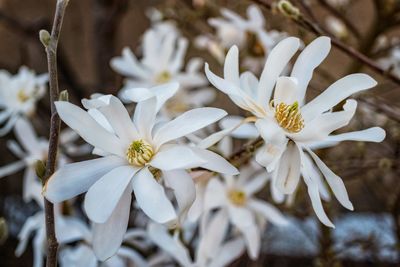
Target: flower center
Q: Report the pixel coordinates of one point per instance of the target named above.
(163, 77)
(139, 153)
(22, 96)
(237, 197)
(289, 117)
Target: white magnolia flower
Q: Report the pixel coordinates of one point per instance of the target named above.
(211, 250)
(33, 149)
(18, 95)
(163, 61)
(290, 127)
(136, 156)
(68, 229)
(246, 212)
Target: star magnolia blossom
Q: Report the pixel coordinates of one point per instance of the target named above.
(34, 148)
(136, 156)
(290, 127)
(18, 95)
(236, 197)
(163, 60)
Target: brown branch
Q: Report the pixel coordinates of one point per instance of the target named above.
(313, 28)
(50, 42)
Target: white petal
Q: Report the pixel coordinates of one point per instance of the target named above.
(151, 197)
(27, 137)
(119, 119)
(75, 178)
(334, 181)
(231, 65)
(128, 64)
(269, 155)
(187, 123)
(277, 60)
(228, 252)
(104, 195)
(308, 60)
(286, 90)
(256, 183)
(160, 236)
(108, 236)
(288, 175)
(269, 212)
(215, 194)
(270, 131)
(215, 162)
(244, 220)
(144, 117)
(184, 190)
(335, 93)
(374, 134)
(176, 157)
(11, 168)
(88, 128)
(242, 130)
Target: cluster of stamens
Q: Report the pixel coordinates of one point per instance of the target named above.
(22, 96)
(139, 153)
(289, 117)
(237, 197)
(163, 77)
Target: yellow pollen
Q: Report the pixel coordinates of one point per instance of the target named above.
(289, 117)
(22, 96)
(237, 197)
(163, 77)
(139, 153)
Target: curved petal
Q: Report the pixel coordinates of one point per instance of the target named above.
(373, 134)
(308, 60)
(89, 129)
(270, 131)
(277, 60)
(214, 162)
(215, 195)
(286, 90)
(27, 137)
(145, 116)
(12, 168)
(104, 195)
(228, 252)
(269, 212)
(335, 93)
(231, 65)
(256, 183)
(151, 197)
(75, 178)
(108, 236)
(288, 175)
(176, 157)
(187, 123)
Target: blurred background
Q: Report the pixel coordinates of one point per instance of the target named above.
(94, 31)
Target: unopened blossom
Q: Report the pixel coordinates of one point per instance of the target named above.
(290, 127)
(19, 94)
(164, 51)
(29, 149)
(139, 156)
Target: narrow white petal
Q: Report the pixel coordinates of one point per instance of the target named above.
(277, 60)
(88, 128)
(256, 183)
(289, 170)
(215, 162)
(286, 90)
(215, 194)
(231, 65)
(108, 236)
(104, 195)
(11, 168)
(268, 211)
(176, 157)
(27, 137)
(75, 178)
(145, 116)
(187, 123)
(335, 93)
(228, 252)
(270, 131)
(151, 197)
(374, 134)
(308, 60)
(334, 181)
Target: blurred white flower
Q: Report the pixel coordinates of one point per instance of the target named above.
(290, 127)
(235, 195)
(68, 229)
(163, 61)
(336, 27)
(392, 61)
(136, 156)
(18, 95)
(33, 149)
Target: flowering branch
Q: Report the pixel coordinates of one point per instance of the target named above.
(311, 27)
(50, 43)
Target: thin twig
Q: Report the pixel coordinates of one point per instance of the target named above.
(311, 27)
(50, 43)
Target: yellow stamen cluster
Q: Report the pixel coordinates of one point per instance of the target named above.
(139, 153)
(289, 117)
(163, 77)
(237, 197)
(22, 96)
